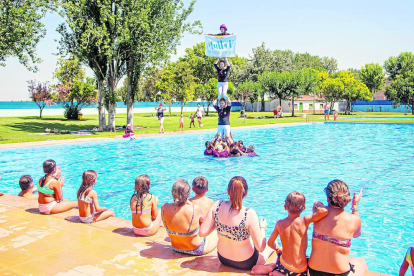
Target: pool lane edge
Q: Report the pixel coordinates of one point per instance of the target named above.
(146, 135)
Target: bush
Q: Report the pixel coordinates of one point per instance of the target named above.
(71, 112)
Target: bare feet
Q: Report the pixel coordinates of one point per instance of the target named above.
(263, 269)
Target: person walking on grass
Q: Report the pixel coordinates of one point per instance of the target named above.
(200, 114)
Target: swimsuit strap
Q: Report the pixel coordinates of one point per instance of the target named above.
(188, 233)
(163, 219)
(339, 242)
(47, 184)
(191, 222)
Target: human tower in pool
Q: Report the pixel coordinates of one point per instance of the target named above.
(223, 145)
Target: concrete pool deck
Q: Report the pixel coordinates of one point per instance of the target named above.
(35, 244)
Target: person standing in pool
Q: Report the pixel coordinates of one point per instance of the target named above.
(223, 116)
(222, 72)
(326, 111)
(160, 114)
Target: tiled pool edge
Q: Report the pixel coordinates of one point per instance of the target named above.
(109, 246)
(118, 137)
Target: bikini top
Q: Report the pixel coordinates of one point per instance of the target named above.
(188, 233)
(141, 212)
(238, 233)
(86, 199)
(409, 260)
(45, 189)
(340, 242)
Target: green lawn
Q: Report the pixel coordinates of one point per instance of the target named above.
(24, 129)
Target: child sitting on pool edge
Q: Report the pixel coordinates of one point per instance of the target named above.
(28, 188)
(89, 209)
(293, 235)
(200, 188)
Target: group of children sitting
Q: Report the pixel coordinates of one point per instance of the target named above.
(226, 147)
(143, 202)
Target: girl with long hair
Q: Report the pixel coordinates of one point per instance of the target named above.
(50, 191)
(89, 209)
(182, 221)
(146, 219)
(242, 238)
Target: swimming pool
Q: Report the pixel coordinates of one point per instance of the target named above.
(378, 158)
(377, 118)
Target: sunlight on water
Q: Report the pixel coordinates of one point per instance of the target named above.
(377, 158)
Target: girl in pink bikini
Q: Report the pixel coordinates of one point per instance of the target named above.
(50, 191)
(146, 218)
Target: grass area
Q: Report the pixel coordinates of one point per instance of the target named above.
(24, 129)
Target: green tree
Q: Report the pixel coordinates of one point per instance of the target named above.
(330, 65)
(275, 84)
(245, 91)
(21, 30)
(333, 90)
(401, 91)
(85, 35)
(294, 86)
(153, 29)
(72, 89)
(184, 83)
(373, 76)
(400, 66)
(358, 91)
(166, 86)
(401, 71)
(201, 64)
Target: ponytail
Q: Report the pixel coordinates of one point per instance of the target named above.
(142, 186)
(48, 167)
(181, 192)
(88, 180)
(237, 190)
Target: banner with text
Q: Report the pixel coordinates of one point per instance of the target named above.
(221, 46)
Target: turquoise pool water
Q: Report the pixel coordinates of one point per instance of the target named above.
(378, 158)
(377, 118)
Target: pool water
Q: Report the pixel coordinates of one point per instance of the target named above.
(378, 158)
(377, 118)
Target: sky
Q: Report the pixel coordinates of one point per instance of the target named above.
(353, 32)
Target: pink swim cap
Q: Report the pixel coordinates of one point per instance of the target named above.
(223, 26)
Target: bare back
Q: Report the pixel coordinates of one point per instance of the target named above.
(327, 256)
(142, 217)
(183, 219)
(203, 202)
(293, 235)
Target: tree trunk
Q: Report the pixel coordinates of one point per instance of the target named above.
(208, 107)
(41, 111)
(130, 106)
(111, 116)
(293, 106)
(263, 103)
(412, 108)
(280, 102)
(169, 108)
(101, 106)
(182, 107)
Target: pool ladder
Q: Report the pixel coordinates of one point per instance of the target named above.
(310, 119)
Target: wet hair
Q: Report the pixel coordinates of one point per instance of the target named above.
(208, 144)
(48, 167)
(234, 151)
(240, 142)
(251, 148)
(142, 187)
(180, 192)
(338, 193)
(25, 181)
(88, 180)
(237, 190)
(295, 202)
(200, 185)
